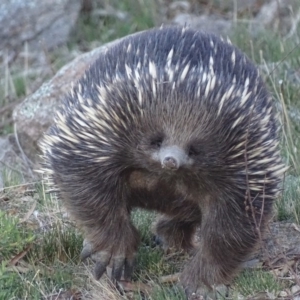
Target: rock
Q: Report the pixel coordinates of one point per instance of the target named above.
(283, 294)
(211, 23)
(278, 15)
(43, 24)
(295, 289)
(35, 114)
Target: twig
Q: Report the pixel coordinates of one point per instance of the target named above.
(25, 158)
(135, 287)
(173, 278)
(19, 185)
(19, 256)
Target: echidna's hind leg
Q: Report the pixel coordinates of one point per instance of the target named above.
(177, 234)
(227, 238)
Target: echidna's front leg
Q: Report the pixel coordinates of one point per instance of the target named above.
(115, 249)
(100, 209)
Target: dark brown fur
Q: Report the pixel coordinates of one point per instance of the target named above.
(175, 121)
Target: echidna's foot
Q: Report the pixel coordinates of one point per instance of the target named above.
(122, 263)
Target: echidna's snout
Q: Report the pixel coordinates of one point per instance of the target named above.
(170, 162)
(172, 157)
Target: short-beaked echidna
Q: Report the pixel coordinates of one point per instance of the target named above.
(176, 121)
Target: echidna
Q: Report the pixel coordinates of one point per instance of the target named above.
(176, 121)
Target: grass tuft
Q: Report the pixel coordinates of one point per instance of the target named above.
(251, 282)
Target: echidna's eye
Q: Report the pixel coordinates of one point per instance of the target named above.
(156, 142)
(193, 151)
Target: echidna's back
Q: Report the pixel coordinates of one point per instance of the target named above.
(176, 53)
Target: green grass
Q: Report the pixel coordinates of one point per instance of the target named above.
(48, 265)
(167, 293)
(11, 178)
(20, 86)
(36, 282)
(252, 282)
(43, 248)
(143, 220)
(265, 46)
(138, 15)
(61, 243)
(14, 238)
(288, 207)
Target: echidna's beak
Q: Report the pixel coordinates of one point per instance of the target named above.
(170, 162)
(172, 157)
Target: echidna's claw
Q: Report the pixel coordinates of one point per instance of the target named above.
(121, 265)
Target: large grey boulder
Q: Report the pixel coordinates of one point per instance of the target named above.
(35, 114)
(42, 24)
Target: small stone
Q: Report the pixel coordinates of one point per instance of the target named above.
(295, 289)
(283, 294)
